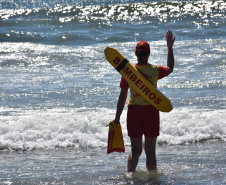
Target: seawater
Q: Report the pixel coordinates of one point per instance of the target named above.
(58, 92)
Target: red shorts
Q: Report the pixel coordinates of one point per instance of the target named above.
(142, 119)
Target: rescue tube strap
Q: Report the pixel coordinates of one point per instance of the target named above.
(122, 65)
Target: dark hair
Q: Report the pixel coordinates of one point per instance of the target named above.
(141, 53)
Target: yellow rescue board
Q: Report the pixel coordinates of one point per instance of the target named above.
(137, 80)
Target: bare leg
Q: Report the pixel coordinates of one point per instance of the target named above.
(150, 145)
(136, 150)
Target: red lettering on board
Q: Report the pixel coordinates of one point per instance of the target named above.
(157, 101)
(138, 83)
(117, 60)
(133, 77)
(142, 86)
(146, 90)
(127, 72)
(152, 96)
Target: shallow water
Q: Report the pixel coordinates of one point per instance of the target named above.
(201, 163)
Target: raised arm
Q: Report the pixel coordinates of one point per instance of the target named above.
(170, 58)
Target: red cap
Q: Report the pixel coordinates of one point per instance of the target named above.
(144, 46)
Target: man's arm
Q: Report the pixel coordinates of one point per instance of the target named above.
(170, 58)
(121, 104)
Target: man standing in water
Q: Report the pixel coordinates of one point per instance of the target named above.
(143, 118)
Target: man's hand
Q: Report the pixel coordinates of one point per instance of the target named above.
(170, 58)
(169, 38)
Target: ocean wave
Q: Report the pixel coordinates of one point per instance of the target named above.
(192, 125)
(62, 127)
(66, 23)
(40, 75)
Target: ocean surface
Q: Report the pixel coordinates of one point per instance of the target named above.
(58, 92)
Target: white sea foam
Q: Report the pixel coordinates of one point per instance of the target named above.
(53, 128)
(26, 130)
(190, 125)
